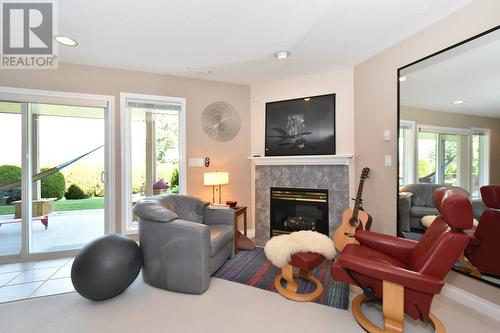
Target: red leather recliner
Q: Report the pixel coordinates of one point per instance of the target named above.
(406, 274)
(484, 246)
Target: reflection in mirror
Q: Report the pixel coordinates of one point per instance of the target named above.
(449, 135)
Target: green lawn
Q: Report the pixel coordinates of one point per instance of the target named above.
(65, 205)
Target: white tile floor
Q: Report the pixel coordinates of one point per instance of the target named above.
(34, 279)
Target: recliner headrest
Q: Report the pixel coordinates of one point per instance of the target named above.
(456, 209)
(491, 196)
(438, 196)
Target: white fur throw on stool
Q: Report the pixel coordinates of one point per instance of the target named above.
(280, 249)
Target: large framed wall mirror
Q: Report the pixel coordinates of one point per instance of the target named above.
(449, 135)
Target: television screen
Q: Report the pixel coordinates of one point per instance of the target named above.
(302, 126)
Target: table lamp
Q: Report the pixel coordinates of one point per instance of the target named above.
(215, 179)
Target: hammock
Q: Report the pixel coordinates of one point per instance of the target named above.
(46, 173)
(430, 177)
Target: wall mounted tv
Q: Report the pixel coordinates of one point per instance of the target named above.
(301, 126)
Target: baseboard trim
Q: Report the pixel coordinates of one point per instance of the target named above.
(472, 301)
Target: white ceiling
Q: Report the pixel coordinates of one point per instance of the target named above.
(235, 40)
(470, 72)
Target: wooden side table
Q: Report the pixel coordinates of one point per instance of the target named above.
(238, 211)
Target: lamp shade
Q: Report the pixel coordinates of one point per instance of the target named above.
(215, 178)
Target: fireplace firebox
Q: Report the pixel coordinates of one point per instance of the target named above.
(294, 209)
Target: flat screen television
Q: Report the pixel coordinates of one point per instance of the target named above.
(301, 126)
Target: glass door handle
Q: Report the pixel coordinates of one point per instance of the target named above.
(103, 177)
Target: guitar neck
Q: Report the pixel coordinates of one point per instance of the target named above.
(357, 203)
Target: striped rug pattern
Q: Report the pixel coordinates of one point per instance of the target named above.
(252, 268)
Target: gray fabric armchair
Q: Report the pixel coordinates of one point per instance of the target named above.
(420, 203)
(183, 242)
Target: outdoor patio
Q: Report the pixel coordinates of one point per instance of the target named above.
(66, 230)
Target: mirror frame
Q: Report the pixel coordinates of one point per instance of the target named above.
(398, 72)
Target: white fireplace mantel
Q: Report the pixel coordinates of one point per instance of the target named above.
(339, 159)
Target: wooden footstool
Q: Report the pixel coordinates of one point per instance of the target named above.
(305, 262)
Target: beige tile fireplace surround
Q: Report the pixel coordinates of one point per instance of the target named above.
(331, 172)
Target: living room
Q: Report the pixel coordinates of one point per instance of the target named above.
(184, 104)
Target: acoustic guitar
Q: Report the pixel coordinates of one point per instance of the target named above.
(353, 218)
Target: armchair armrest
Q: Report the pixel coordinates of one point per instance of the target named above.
(404, 214)
(395, 247)
(408, 279)
(177, 255)
(218, 216)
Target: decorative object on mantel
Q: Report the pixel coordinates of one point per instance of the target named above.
(220, 121)
(216, 179)
(301, 126)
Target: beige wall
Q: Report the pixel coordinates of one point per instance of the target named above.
(447, 119)
(339, 82)
(375, 109)
(225, 156)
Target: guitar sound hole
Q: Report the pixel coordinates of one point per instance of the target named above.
(354, 222)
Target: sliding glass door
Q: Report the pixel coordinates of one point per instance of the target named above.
(10, 172)
(72, 199)
(54, 200)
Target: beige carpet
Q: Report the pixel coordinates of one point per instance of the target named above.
(225, 307)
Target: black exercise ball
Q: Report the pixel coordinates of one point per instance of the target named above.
(106, 267)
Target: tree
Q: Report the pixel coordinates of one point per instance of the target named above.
(167, 137)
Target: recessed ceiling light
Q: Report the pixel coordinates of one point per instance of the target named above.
(460, 101)
(282, 54)
(403, 78)
(199, 70)
(65, 40)
(307, 99)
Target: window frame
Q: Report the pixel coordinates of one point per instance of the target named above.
(128, 226)
(411, 156)
(485, 172)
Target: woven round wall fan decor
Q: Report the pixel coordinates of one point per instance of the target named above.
(220, 121)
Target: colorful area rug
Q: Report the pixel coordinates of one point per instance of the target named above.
(253, 269)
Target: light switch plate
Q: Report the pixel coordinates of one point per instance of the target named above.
(388, 160)
(387, 135)
(196, 162)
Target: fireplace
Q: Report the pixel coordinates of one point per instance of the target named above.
(294, 209)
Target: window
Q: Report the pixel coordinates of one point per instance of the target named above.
(480, 160)
(444, 155)
(406, 152)
(153, 130)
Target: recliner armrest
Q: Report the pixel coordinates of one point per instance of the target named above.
(408, 279)
(395, 247)
(218, 216)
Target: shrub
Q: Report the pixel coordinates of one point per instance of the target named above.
(74, 192)
(174, 189)
(53, 186)
(88, 178)
(174, 178)
(9, 174)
